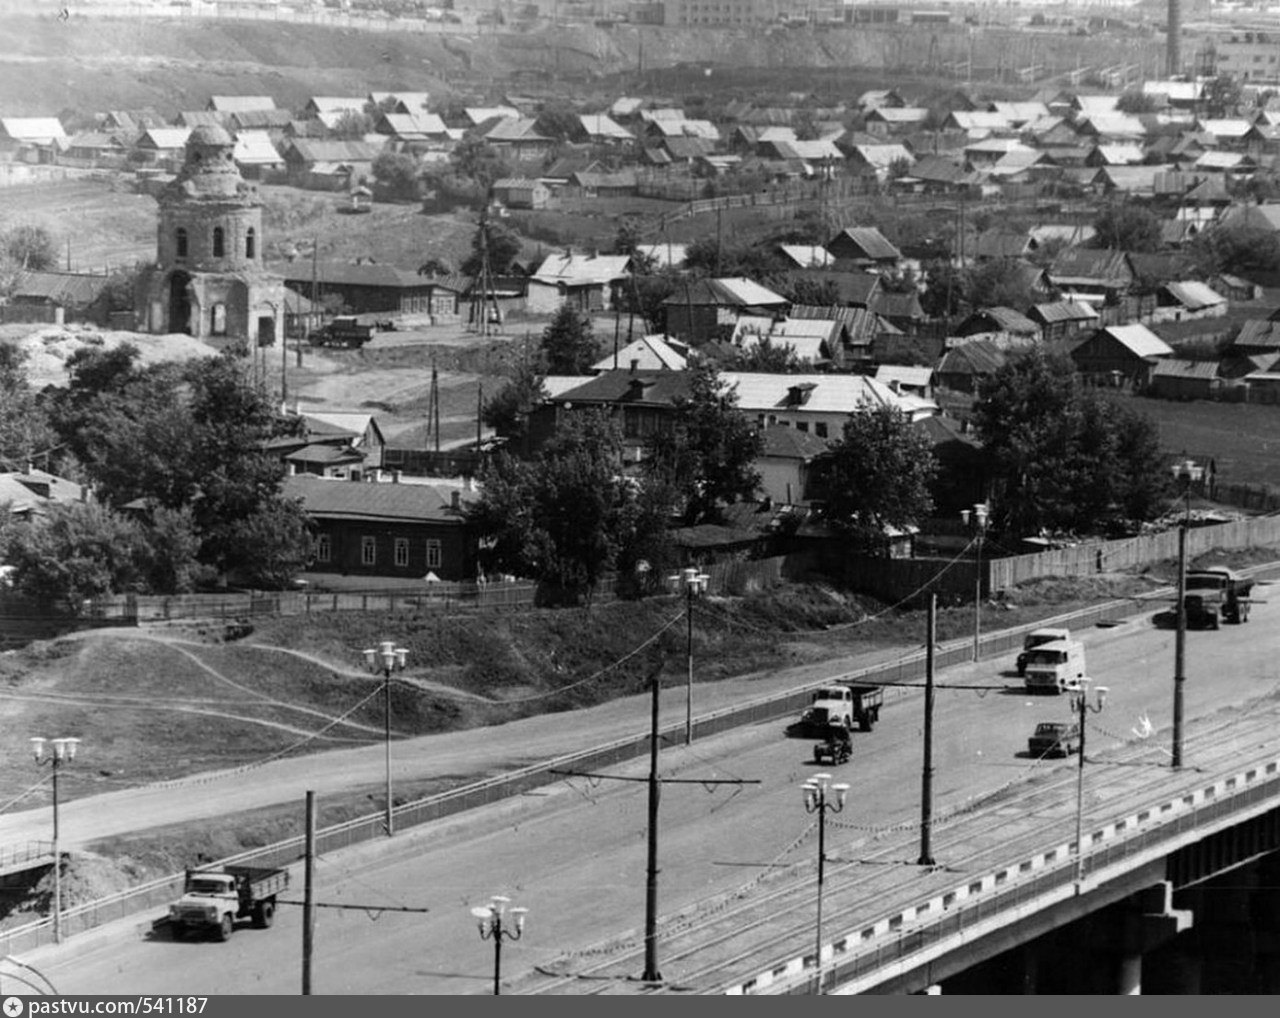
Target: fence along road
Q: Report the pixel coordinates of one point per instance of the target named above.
(907, 668)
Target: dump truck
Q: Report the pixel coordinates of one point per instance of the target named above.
(344, 330)
(212, 900)
(842, 704)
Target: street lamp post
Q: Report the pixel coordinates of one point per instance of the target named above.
(976, 519)
(694, 581)
(1185, 471)
(386, 657)
(822, 798)
(1081, 705)
(61, 751)
(494, 924)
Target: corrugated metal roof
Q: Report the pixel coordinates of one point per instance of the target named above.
(241, 103)
(576, 269)
(791, 444)
(651, 353)
(345, 273)
(832, 394)
(871, 241)
(1259, 333)
(67, 288)
(1173, 367)
(1064, 311)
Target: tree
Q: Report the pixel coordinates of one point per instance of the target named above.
(878, 476)
(24, 431)
(29, 248)
(169, 556)
(476, 160)
(397, 174)
(508, 410)
(814, 292)
(1222, 96)
(78, 550)
(804, 125)
(766, 356)
(708, 455)
(352, 125)
(504, 246)
(1242, 250)
(568, 343)
(1127, 228)
(557, 120)
(1000, 282)
(557, 518)
(1067, 459)
(1135, 102)
(945, 289)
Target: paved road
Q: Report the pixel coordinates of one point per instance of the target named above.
(575, 853)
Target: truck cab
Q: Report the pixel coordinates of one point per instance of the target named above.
(209, 901)
(833, 705)
(1222, 590)
(1054, 666)
(1034, 639)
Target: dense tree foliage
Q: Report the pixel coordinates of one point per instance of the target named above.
(558, 518)
(24, 434)
(1127, 228)
(1242, 250)
(76, 550)
(503, 248)
(569, 346)
(1067, 458)
(29, 247)
(397, 175)
(708, 456)
(507, 411)
(878, 476)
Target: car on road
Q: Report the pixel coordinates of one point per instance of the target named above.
(1055, 738)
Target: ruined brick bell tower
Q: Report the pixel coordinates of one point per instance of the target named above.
(209, 280)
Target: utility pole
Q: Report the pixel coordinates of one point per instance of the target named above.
(479, 422)
(926, 786)
(309, 901)
(655, 783)
(1180, 640)
(435, 401)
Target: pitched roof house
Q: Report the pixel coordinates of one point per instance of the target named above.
(584, 280)
(864, 247)
(1120, 354)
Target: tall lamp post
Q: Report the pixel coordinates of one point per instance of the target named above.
(1185, 472)
(61, 751)
(977, 519)
(694, 582)
(822, 798)
(387, 657)
(1081, 706)
(494, 923)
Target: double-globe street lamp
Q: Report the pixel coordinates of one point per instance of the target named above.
(822, 798)
(977, 520)
(60, 751)
(386, 658)
(495, 923)
(1081, 706)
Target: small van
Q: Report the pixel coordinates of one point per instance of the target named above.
(1034, 639)
(1055, 666)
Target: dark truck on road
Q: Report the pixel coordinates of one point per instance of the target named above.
(212, 900)
(344, 330)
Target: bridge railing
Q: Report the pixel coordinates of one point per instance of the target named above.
(1050, 875)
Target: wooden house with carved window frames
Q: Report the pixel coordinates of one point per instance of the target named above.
(386, 528)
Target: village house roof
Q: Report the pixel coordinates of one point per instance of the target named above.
(1004, 319)
(814, 393)
(808, 256)
(1258, 334)
(1000, 243)
(1194, 296)
(978, 120)
(811, 339)
(650, 353)
(598, 125)
(1176, 367)
(977, 357)
(908, 376)
(33, 130)
(1229, 129)
(1020, 113)
(521, 129)
(478, 115)
(240, 103)
(405, 102)
(640, 388)
(869, 241)
(198, 118)
(68, 289)
(1113, 125)
(255, 148)
(384, 501)
(163, 139)
(95, 140)
(414, 126)
(1130, 154)
(899, 115)
(1062, 311)
(251, 120)
(860, 324)
(1138, 340)
(1262, 217)
(335, 104)
(785, 443)
(626, 106)
(333, 150)
(581, 270)
(664, 255)
(350, 274)
(882, 157)
(1090, 264)
(1174, 91)
(727, 292)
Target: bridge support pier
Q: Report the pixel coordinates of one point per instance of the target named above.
(1148, 920)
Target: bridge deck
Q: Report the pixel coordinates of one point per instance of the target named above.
(996, 852)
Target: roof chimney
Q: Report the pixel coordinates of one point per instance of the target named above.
(395, 477)
(635, 365)
(456, 501)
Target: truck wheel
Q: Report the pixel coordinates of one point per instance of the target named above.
(226, 927)
(264, 914)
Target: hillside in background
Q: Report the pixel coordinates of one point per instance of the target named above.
(96, 63)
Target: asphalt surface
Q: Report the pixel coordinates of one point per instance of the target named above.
(574, 853)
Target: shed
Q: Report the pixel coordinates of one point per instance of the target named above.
(1120, 355)
(1175, 378)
